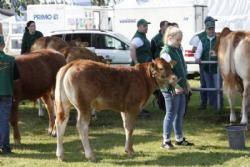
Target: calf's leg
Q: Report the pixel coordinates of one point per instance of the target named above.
(62, 117)
(49, 104)
(128, 124)
(82, 125)
(231, 100)
(14, 123)
(245, 102)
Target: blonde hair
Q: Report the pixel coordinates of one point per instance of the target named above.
(171, 31)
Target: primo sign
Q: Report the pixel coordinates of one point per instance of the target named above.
(46, 17)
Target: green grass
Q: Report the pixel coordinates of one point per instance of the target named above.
(205, 129)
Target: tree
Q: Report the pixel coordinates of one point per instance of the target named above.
(18, 5)
(4, 4)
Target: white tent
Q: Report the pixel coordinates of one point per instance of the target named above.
(230, 13)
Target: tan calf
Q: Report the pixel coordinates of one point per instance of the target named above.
(89, 85)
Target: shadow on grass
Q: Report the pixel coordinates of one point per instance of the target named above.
(185, 159)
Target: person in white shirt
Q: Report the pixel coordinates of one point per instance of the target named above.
(205, 52)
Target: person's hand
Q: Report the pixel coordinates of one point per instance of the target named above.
(178, 91)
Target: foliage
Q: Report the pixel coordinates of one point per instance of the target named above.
(4, 4)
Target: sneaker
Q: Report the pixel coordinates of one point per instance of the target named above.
(167, 145)
(6, 150)
(184, 142)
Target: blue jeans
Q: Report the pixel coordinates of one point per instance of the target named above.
(203, 94)
(175, 109)
(211, 82)
(5, 109)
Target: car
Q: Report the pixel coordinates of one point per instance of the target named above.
(110, 45)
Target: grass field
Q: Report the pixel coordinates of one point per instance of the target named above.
(205, 129)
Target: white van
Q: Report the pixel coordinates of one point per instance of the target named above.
(110, 45)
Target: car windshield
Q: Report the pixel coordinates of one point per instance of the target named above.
(122, 37)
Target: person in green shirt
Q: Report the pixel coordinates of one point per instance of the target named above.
(29, 37)
(157, 42)
(205, 52)
(140, 50)
(175, 97)
(8, 73)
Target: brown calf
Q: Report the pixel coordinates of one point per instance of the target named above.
(37, 78)
(89, 85)
(233, 49)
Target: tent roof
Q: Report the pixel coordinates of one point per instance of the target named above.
(157, 3)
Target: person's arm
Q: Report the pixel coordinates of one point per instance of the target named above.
(133, 53)
(135, 43)
(198, 52)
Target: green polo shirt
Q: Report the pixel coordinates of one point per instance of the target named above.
(8, 73)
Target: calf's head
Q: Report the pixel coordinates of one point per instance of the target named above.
(162, 72)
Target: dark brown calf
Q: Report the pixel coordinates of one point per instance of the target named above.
(37, 78)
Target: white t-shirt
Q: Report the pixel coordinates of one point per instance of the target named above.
(166, 57)
(137, 42)
(194, 41)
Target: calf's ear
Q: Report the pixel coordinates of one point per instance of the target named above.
(153, 69)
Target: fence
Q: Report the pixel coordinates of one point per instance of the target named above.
(218, 89)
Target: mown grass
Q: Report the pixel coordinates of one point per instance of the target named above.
(205, 129)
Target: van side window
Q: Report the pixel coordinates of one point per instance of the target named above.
(83, 39)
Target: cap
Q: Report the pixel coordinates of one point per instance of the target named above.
(142, 22)
(209, 18)
(1, 39)
(210, 24)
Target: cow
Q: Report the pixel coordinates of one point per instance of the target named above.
(71, 51)
(37, 79)
(89, 85)
(233, 50)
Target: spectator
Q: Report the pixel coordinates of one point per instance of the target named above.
(8, 73)
(194, 42)
(175, 97)
(140, 48)
(205, 52)
(29, 37)
(157, 42)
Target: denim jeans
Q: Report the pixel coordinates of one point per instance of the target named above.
(175, 109)
(5, 109)
(211, 82)
(203, 94)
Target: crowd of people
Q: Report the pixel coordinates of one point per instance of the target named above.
(166, 44)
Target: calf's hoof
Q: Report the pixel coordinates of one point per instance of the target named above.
(92, 159)
(60, 158)
(52, 132)
(17, 142)
(130, 153)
